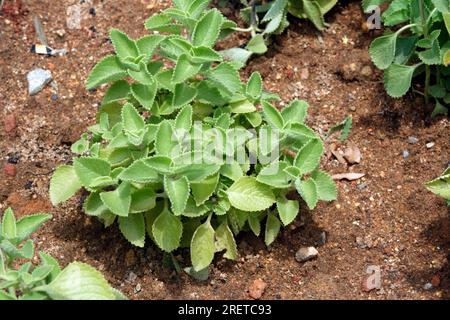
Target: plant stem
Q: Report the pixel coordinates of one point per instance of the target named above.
(427, 67)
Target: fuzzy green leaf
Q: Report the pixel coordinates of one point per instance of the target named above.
(314, 13)
(79, 281)
(203, 190)
(254, 224)
(94, 205)
(308, 158)
(145, 94)
(142, 75)
(308, 191)
(275, 10)
(382, 50)
(257, 44)
(167, 231)
(8, 227)
(29, 224)
(183, 95)
(202, 246)
(165, 139)
(64, 184)
(178, 191)
(124, 46)
(207, 29)
(119, 200)
(133, 229)
(204, 55)
(142, 200)
(148, 44)
(107, 70)
(225, 241)
(236, 54)
(119, 90)
(274, 175)
(133, 124)
(440, 186)
(254, 85)
(273, 226)
(243, 106)
(397, 79)
(90, 169)
(226, 78)
(139, 172)
(287, 210)
(161, 164)
(273, 116)
(247, 194)
(326, 188)
(183, 121)
(296, 111)
(184, 69)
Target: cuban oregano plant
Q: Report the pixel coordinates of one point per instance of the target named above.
(20, 279)
(267, 18)
(417, 46)
(183, 150)
(441, 186)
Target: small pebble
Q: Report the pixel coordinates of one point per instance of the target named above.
(138, 288)
(14, 159)
(61, 33)
(131, 277)
(323, 238)
(405, 154)
(306, 253)
(54, 97)
(428, 286)
(430, 145)
(304, 75)
(37, 80)
(10, 169)
(413, 140)
(10, 123)
(257, 289)
(362, 186)
(436, 281)
(369, 284)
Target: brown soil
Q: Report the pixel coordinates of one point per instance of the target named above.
(394, 223)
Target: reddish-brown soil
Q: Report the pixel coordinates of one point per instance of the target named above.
(393, 223)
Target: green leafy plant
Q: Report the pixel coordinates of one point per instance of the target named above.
(270, 18)
(20, 279)
(182, 149)
(343, 127)
(441, 186)
(420, 47)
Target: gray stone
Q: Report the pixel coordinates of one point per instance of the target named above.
(131, 277)
(413, 140)
(362, 186)
(428, 286)
(430, 145)
(405, 154)
(37, 80)
(306, 253)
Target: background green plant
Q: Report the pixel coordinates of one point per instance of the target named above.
(270, 18)
(126, 161)
(441, 186)
(420, 47)
(20, 279)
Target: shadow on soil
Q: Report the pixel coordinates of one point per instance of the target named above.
(437, 233)
(107, 247)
